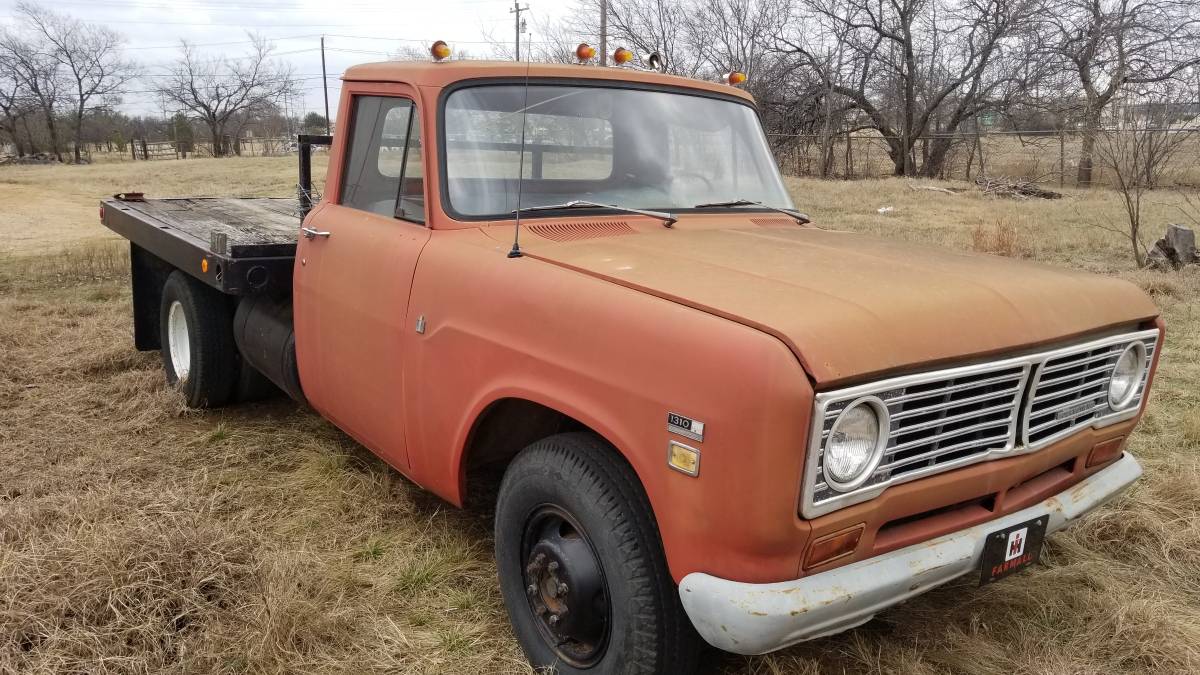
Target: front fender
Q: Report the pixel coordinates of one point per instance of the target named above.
(618, 361)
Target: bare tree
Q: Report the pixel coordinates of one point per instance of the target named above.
(38, 74)
(88, 56)
(1138, 156)
(1109, 44)
(556, 42)
(643, 27)
(13, 104)
(730, 35)
(911, 67)
(214, 90)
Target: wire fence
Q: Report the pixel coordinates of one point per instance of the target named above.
(142, 149)
(1045, 157)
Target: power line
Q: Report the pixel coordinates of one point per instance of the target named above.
(220, 7)
(222, 44)
(235, 25)
(421, 40)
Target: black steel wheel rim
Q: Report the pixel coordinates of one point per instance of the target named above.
(565, 586)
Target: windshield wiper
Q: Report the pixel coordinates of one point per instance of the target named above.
(667, 219)
(803, 219)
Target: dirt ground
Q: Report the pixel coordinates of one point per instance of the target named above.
(138, 536)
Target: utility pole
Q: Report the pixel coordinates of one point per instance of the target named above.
(325, 87)
(604, 32)
(516, 12)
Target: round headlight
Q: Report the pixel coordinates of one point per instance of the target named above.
(1126, 376)
(855, 444)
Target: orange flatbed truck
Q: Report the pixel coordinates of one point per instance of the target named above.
(709, 418)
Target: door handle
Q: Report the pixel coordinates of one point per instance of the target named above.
(310, 233)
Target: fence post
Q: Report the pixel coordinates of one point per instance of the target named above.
(1062, 156)
(979, 147)
(849, 157)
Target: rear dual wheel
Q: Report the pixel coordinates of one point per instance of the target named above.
(199, 353)
(581, 565)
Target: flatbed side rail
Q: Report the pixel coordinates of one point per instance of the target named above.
(304, 145)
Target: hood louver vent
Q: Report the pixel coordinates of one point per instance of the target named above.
(575, 231)
(773, 222)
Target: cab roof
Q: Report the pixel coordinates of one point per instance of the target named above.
(441, 74)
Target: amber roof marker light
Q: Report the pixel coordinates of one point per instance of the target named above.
(440, 51)
(584, 53)
(622, 56)
(734, 78)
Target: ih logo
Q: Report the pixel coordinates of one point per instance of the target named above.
(1016, 544)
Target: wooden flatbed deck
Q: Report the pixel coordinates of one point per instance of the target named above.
(253, 227)
(237, 245)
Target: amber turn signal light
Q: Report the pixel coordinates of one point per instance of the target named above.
(622, 56)
(833, 546)
(735, 77)
(683, 458)
(440, 50)
(1106, 451)
(585, 52)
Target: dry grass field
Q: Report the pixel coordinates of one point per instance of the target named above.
(138, 536)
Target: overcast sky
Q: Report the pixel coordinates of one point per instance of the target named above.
(356, 31)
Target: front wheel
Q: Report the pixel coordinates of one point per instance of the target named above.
(581, 565)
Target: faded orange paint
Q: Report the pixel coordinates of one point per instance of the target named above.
(724, 318)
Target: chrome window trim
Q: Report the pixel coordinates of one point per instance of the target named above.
(1017, 428)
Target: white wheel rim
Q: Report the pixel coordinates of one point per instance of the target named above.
(177, 338)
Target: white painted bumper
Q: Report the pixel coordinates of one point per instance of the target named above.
(758, 618)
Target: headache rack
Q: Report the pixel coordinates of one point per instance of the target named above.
(950, 418)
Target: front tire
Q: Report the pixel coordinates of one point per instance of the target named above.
(581, 565)
(198, 350)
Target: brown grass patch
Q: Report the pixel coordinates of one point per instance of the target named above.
(137, 536)
(1002, 238)
(1191, 428)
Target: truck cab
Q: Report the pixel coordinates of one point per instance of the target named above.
(707, 417)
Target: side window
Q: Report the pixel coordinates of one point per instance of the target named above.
(380, 166)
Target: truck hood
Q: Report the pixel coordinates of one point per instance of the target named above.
(851, 306)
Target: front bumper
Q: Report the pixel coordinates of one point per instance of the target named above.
(758, 618)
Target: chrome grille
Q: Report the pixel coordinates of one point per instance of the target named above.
(950, 418)
(1070, 390)
(936, 421)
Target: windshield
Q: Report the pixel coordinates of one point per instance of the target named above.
(627, 147)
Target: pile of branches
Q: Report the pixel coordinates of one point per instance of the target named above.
(36, 158)
(1013, 188)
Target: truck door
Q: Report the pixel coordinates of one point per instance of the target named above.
(355, 264)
